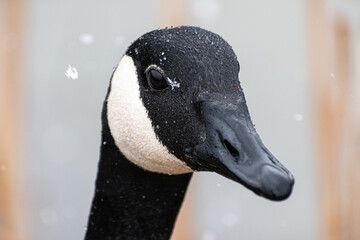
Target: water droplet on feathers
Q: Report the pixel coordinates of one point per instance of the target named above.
(207, 40)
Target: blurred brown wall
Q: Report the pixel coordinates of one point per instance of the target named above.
(336, 123)
(11, 16)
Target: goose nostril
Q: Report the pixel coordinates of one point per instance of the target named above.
(231, 149)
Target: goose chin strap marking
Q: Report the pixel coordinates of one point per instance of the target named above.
(131, 126)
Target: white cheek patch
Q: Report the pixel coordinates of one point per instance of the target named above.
(131, 126)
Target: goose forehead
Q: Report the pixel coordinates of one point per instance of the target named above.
(181, 45)
(131, 127)
(191, 55)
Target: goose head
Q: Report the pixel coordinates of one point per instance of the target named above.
(176, 106)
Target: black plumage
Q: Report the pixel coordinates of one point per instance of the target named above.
(201, 117)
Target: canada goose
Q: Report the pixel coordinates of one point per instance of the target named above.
(174, 106)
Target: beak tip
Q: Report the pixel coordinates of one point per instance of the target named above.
(277, 184)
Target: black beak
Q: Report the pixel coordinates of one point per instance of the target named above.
(233, 148)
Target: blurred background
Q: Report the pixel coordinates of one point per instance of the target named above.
(300, 72)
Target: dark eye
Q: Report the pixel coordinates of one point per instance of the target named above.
(156, 80)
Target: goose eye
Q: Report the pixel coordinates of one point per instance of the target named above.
(156, 80)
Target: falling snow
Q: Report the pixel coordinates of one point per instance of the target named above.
(49, 216)
(119, 40)
(86, 39)
(298, 117)
(211, 13)
(229, 219)
(208, 235)
(71, 73)
(283, 223)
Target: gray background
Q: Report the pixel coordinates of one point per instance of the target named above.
(62, 116)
